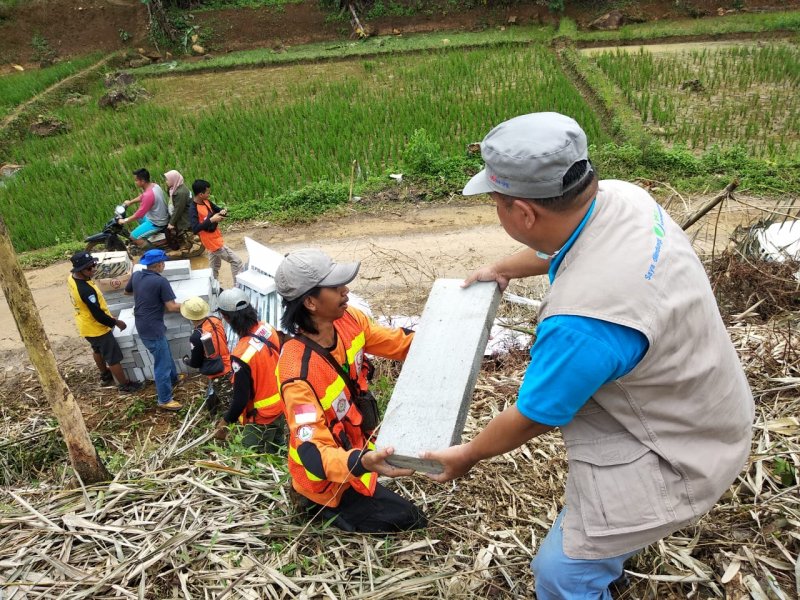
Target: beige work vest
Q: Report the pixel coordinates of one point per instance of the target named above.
(654, 450)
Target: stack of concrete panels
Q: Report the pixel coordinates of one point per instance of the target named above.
(118, 301)
(259, 284)
(111, 276)
(186, 283)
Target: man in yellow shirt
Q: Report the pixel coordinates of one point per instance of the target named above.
(96, 324)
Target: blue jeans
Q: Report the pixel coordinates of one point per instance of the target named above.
(164, 371)
(559, 577)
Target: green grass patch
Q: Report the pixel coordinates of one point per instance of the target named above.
(16, 88)
(36, 259)
(375, 46)
(256, 151)
(639, 154)
(709, 26)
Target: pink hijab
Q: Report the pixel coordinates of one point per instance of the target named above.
(174, 181)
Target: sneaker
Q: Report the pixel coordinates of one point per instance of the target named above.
(131, 387)
(107, 379)
(172, 406)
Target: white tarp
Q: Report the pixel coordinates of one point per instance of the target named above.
(781, 241)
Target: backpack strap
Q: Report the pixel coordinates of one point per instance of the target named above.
(345, 375)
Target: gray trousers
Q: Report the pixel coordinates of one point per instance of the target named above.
(215, 262)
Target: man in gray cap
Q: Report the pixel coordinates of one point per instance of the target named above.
(256, 401)
(632, 361)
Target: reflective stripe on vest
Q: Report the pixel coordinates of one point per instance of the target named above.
(296, 458)
(266, 402)
(332, 392)
(352, 351)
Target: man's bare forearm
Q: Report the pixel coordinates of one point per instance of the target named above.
(522, 264)
(507, 431)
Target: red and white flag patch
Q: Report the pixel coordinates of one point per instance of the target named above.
(305, 414)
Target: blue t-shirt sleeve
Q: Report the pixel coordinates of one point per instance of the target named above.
(572, 358)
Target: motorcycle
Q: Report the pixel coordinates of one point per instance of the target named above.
(115, 237)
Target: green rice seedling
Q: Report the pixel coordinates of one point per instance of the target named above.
(16, 88)
(255, 150)
(743, 95)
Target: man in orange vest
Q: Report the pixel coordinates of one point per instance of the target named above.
(210, 354)
(331, 415)
(204, 218)
(256, 402)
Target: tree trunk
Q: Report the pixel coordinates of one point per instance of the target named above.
(82, 453)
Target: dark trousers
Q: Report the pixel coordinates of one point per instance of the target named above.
(385, 512)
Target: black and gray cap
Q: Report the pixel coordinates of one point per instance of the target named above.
(306, 269)
(528, 156)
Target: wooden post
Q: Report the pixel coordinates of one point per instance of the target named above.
(726, 193)
(82, 453)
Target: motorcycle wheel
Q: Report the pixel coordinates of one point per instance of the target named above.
(95, 246)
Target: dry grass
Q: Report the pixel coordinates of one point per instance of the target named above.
(185, 518)
(190, 520)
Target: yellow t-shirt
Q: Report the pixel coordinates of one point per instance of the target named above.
(88, 326)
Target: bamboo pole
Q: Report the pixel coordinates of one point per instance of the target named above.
(701, 212)
(82, 453)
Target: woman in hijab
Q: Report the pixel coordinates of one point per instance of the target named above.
(180, 197)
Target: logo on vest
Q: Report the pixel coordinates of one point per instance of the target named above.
(305, 433)
(341, 406)
(660, 231)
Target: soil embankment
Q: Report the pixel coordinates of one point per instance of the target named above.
(74, 28)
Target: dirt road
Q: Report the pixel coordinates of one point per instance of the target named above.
(401, 253)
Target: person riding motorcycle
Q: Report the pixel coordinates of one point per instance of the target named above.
(153, 215)
(178, 229)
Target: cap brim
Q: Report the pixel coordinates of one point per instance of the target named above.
(83, 267)
(479, 184)
(340, 274)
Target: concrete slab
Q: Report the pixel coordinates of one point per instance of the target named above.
(262, 258)
(431, 399)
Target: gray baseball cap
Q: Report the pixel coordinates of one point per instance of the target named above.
(527, 156)
(233, 300)
(306, 269)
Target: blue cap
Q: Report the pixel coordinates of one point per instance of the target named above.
(152, 257)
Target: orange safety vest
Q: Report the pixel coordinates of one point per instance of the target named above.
(342, 417)
(265, 404)
(213, 325)
(212, 240)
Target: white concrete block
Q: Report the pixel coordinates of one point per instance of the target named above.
(176, 269)
(262, 258)
(201, 274)
(253, 280)
(431, 398)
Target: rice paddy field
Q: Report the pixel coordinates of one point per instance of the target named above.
(741, 95)
(16, 88)
(258, 133)
(270, 131)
